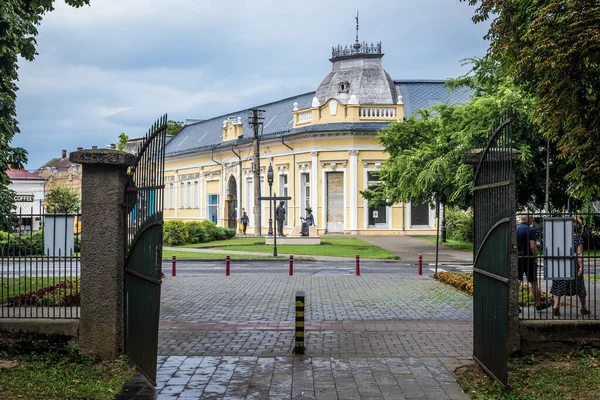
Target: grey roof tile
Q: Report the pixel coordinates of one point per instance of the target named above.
(207, 134)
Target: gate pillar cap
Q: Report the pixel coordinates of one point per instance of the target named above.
(474, 156)
(103, 156)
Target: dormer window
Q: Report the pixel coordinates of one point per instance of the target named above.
(344, 87)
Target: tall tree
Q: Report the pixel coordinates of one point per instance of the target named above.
(18, 27)
(552, 48)
(426, 150)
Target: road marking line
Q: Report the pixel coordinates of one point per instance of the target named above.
(439, 269)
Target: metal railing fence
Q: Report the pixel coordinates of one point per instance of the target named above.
(564, 242)
(39, 265)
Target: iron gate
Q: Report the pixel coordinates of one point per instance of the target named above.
(494, 225)
(143, 240)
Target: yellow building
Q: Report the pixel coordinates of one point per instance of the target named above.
(323, 148)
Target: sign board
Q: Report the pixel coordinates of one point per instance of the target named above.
(375, 214)
(558, 248)
(23, 198)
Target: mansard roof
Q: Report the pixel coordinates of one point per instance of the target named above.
(278, 119)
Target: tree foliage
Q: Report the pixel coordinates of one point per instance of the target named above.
(123, 139)
(425, 151)
(62, 200)
(174, 127)
(552, 49)
(18, 28)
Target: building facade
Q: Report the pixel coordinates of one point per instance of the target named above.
(322, 146)
(61, 172)
(29, 199)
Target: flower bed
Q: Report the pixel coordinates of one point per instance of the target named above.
(464, 283)
(65, 294)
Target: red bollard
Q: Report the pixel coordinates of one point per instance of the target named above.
(174, 268)
(227, 265)
(291, 265)
(420, 264)
(357, 265)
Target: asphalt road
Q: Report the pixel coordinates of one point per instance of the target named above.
(304, 267)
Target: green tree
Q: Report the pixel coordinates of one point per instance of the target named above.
(123, 140)
(174, 127)
(552, 49)
(18, 28)
(62, 200)
(426, 150)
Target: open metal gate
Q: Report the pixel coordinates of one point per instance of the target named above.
(143, 240)
(494, 225)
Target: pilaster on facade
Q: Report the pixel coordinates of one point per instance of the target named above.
(314, 195)
(353, 191)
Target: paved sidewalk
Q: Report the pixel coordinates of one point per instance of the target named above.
(381, 336)
(409, 248)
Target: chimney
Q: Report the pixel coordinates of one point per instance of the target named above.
(64, 153)
(94, 147)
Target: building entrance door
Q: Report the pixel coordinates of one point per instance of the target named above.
(335, 202)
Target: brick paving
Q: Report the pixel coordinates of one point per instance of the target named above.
(379, 336)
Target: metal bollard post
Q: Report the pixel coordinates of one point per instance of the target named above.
(299, 336)
(357, 265)
(291, 265)
(174, 268)
(420, 264)
(227, 265)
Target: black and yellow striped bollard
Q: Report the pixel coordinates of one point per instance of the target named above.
(299, 344)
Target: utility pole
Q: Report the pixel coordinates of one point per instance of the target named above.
(255, 119)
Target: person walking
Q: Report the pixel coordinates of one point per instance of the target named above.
(527, 253)
(570, 287)
(244, 220)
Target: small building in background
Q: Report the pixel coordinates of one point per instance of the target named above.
(29, 199)
(61, 172)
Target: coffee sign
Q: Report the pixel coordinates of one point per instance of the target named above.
(22, 198)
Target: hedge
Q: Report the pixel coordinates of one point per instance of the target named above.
(179, 232)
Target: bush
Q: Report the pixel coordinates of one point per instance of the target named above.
(230, 233)
(459, 224)
(21, 244)
(175, 233)
(196, 232)
(211, 230)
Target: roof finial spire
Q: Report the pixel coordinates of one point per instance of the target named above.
(356, 44)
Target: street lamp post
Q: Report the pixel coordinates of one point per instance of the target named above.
(271, 205)
(270, 181)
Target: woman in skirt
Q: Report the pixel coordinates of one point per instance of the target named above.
(563, 287)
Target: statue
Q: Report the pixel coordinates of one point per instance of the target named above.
(280, 217)
(307, 222)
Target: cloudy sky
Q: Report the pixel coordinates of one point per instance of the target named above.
(119, 64)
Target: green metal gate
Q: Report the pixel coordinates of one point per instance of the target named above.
(143, 239)
(494, 224)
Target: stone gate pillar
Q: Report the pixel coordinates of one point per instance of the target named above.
(104, 176)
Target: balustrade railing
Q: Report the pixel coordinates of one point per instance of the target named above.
(377, 112)
(305, 116)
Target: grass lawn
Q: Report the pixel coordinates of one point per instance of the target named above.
(457, 244)
(339, 247)
(10, 287)
(168, 254)
(574, 375)
(43, 367)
